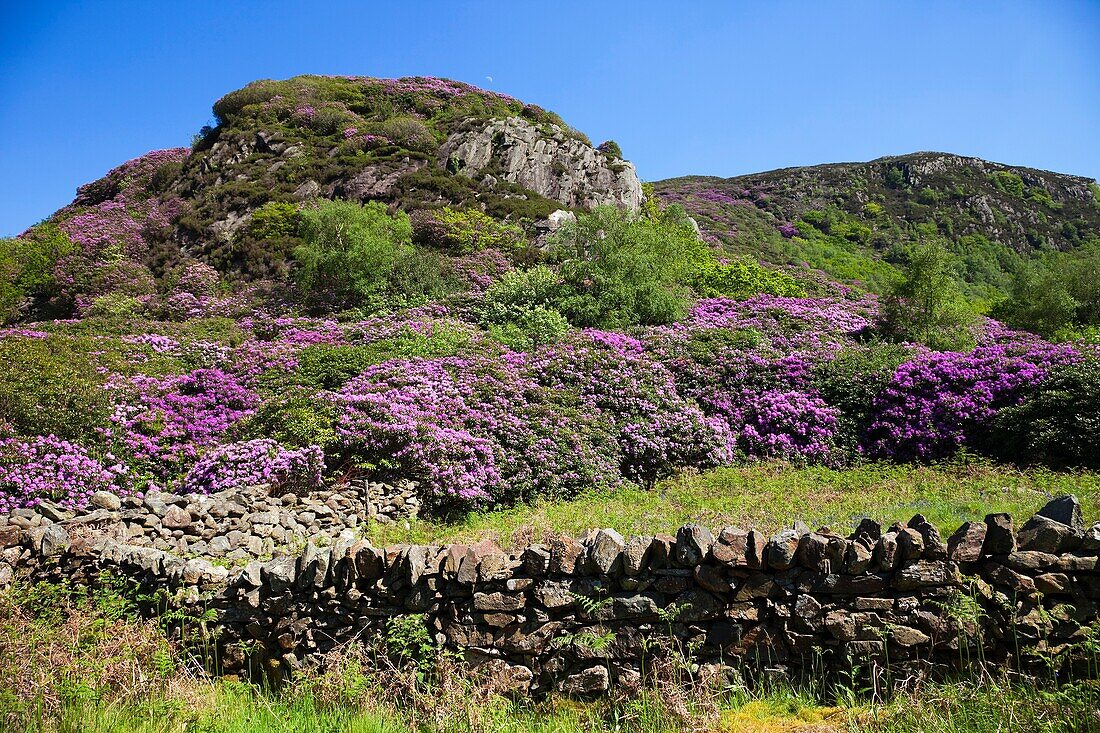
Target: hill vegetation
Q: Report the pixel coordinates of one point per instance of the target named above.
(1023, 243)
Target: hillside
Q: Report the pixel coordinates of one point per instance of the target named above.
(413, 143)
(848, 219)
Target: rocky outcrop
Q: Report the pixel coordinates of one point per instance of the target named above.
(579, 615)
(545, 160)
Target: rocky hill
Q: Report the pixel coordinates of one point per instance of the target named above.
(413, 143)
(990, 211)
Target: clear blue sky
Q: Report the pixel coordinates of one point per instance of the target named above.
(704, 87)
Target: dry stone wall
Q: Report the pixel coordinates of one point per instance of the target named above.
(579, 615)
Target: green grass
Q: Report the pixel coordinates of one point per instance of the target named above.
(770, 496)
(231, 707)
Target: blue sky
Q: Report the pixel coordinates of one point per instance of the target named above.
(706, 87)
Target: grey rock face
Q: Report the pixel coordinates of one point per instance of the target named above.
(545, 160)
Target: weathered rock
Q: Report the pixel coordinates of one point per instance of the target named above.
(106, 500)
(555, 594)
(907, 637)
(1090, 540)
(604, 551)
(280, 574)
(1065, 509)
(536, 560)
(709, 578)
(586, 682)
(868, 530)
(887, 556)
(55, 541)
(635, 553)
(693, 543)
(910, 544)
(967, 542)
(858, 558)
(781, 549)
(927, 573)
(546, 161)
(498, 601)
(934, 547)
(176, 518)
(1046, 535)
(1000, 536)
(812, 548)
(564, 554)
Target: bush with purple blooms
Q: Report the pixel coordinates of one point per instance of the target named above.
(46, 467)
(261, 461)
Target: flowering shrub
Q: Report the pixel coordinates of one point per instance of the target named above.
(471, 430)
(46, 467)
(940, 401)
(656, 428)
(254, 462)
(167, 421)
(787, 425)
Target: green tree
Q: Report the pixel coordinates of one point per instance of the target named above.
(927, 305)
(621, 269)
(349, 251)
(27, 265)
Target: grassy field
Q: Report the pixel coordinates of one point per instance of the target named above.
(770, 496)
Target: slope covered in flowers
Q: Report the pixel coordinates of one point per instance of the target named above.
(427, 394)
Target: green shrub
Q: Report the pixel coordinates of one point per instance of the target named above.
(27, 265)
(1008, 182)
(328, 366)
(349, 251)
(611, 149)
(1058, 292)
(274, 219)
(297, 418)
(621, 269)
(408, 132)
(850, 382)
(536, 326)
(51, 385)
(743, 279)
(465, 231)
(1058, 422)
(114, 307)
(927, 306)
